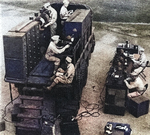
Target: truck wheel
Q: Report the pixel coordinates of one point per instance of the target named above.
(78, 86)
(84, 72)
(93, 43)
(81, 78)
(84, 78)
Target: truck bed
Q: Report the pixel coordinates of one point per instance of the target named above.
(42, 72)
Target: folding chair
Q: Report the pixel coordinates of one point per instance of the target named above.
(142, 72)
(146, 86)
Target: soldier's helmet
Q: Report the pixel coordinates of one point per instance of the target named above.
(46, 5)
(66, 2)
(55, 38)
(141, 50)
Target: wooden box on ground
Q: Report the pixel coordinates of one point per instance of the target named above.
(138, 106)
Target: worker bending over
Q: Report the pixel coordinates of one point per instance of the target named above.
(53, 50)
(52, 18)
(137, 84)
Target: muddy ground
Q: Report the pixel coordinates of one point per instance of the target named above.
(108, 35)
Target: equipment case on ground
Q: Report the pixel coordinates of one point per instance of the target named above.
(138, 106)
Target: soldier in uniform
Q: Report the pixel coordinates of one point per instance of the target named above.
(52, 18)
(52, 50)
(64, 13)
(137, 84)
(65, 77)
(140, 63)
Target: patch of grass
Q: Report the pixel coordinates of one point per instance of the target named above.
(32, 5)
(140, 30)
(104, 10)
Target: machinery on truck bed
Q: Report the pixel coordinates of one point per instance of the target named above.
(26, 67)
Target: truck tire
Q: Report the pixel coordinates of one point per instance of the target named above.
(93, 43)
(78, 86)
(84, 72)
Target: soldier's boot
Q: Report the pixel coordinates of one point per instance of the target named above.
(51, 86)
(55, 69)
(53, 77)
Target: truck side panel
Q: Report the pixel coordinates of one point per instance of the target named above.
(22, 51)
(79, 25)
(14, 44)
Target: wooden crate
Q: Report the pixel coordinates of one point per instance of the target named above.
(138, 106)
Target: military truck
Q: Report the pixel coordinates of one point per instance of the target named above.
(27, 68)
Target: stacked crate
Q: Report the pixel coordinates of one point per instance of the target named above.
(115, 101)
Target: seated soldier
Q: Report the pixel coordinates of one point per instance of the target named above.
(135, 83)
(53, 50)
(140, 63)
(64, 13)
(65, 77)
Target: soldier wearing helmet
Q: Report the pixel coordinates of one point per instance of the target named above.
(62, 76)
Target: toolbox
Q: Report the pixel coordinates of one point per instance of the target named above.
(113, 128)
